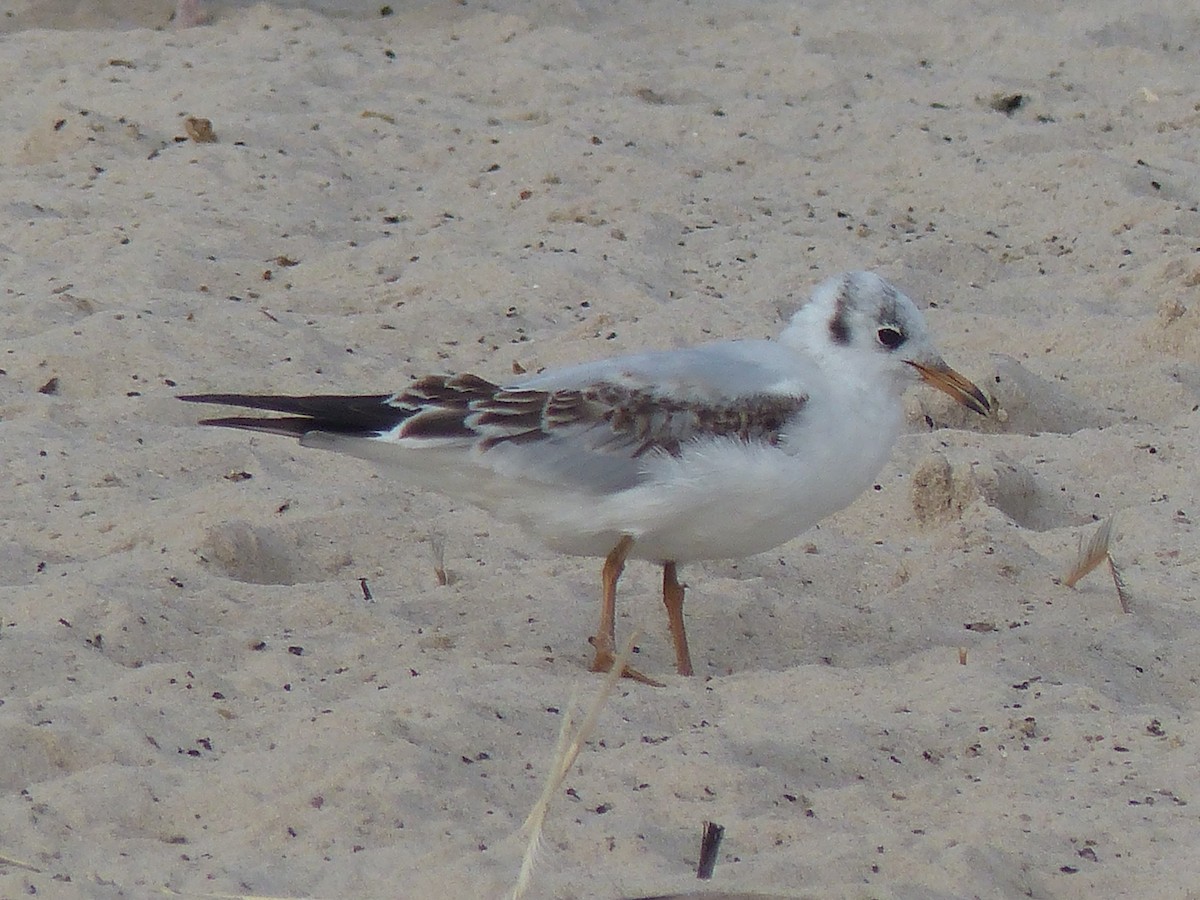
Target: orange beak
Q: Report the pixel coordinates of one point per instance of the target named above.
(944, 378)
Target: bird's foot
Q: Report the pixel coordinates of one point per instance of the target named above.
(603, 662)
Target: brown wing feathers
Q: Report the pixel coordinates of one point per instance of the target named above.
(626, 419)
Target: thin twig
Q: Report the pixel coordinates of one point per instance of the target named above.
(710, 843)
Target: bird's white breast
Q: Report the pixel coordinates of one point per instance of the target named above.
(727, 498)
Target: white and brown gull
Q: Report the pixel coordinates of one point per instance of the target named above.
(716, 451)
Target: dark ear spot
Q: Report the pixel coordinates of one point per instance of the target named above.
(839, 328)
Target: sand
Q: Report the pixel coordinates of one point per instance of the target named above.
(196, 694)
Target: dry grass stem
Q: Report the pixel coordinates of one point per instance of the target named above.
(437, 547)
(1119, 582)
(1092, 555)
(17, 864)
(566, 751)
(188, 894)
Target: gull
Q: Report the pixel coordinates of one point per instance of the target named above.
(716, 451)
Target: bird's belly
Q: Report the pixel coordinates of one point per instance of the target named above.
(725, 500)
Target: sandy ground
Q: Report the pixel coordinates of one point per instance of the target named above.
(195, 694)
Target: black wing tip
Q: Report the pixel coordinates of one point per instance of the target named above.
(249, 401)
(286, 427)
(275, 425)
(359, 415)
(205, 398)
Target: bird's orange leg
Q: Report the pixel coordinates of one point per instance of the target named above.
(673, 600)
(605, 640)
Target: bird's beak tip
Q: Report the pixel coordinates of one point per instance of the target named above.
(958, 386)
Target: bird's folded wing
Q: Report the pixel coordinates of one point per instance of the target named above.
(591, 428)
(598, 427)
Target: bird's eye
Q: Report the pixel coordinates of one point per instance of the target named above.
(890, 337)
